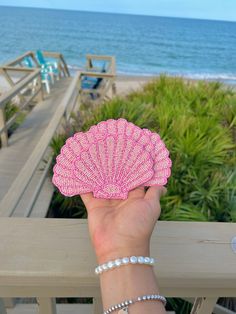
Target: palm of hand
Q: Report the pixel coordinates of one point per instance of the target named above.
(116, 224)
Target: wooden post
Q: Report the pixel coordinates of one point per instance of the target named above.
(4, 135)
(203, 305)
(64, 65)
(113, 87)
(34, 59)
(47, 305)
(97, 305)
(2, 307)
(7, 77)
(40, 96)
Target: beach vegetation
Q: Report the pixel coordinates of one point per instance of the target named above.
(197, 121)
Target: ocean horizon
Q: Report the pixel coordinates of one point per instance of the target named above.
(142, 45)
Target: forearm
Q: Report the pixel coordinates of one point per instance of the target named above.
(128, 282)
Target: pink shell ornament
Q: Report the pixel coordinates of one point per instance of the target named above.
(110, 159)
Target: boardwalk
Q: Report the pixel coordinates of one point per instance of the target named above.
(21, 145)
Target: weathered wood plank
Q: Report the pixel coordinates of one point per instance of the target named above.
(47, 305)
(203, 305)
(193, 259)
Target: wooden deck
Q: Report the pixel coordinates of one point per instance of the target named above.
(21, 145)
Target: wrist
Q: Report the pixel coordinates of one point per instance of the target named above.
(141, 250)
(128, 282)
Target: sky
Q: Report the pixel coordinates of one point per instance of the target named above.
(203, 9)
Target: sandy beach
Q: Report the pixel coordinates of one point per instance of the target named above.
(124, 83)
(128, 83)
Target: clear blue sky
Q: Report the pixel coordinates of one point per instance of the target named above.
(205, 9)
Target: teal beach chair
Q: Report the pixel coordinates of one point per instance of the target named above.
(51, 66)
(45, 76)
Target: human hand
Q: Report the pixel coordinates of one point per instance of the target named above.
(123, 227)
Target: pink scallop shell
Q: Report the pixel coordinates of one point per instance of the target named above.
(109, 168)
(110, 159)
(151, 142)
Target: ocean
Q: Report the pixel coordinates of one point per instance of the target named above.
(143, 45)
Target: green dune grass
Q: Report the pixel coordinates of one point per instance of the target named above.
(197, 121)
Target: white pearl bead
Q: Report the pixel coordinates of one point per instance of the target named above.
(146, 260)
(133, 259)
(118, 262)
(110, 264)
(152, 260)
(104, 267)
(100, 269)
(125, 260)
(140, 259)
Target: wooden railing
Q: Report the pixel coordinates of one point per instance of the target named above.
(19, 61)
(22, 80)
(106, 72)
(14, 194)
(61, 63)
(31, 82)
(56, 56)
(48, 258)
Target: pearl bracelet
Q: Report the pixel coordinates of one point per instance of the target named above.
(123, 306)
(124, 261)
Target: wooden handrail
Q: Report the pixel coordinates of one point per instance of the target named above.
(58, 56)
(99, 57)
(16, 69)
(20, 58)
(54, 257)
(97, 74)
(18, 87)
(17, 61)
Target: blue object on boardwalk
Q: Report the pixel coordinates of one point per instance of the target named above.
(51, 66)
(28, 62)
(45, 76)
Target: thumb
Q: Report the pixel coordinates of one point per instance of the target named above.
(154, 193)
